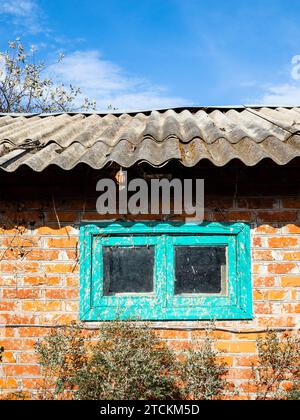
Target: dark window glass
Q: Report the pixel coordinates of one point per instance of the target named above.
(200, 270)
(128, 270)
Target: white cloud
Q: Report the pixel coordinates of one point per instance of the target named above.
(285, 94)
(22, 13)
(20, 8)
(109, 84)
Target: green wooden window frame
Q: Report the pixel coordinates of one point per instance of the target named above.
(163, 304)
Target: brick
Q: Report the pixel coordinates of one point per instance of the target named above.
(42, 255)
(54, 319)
(9, 357)
(290, 281)
(34, 384)
(63, 243)
(72, 306)
(238, 347)
(277, 216)
(228, 360)
(233, 216)
(28, 358)
(276, 295)
(38, 306)
(18, 267)
(257, 203)
(7, 306)
(293, 229)
(246, 361)
(60, 268)
(33, 332)
(249, 336)
(284, 268)
(291, 203)
(217, 335)
(20, 242)
(267, 230)
(283, 242)
(292, 256)
(62, 294)
(21, 294)
(13, 319)
(72, 281)
(46, 230)
(63, 216)
(16, 371)
(263, 308)
(291, 308)
(8, 384)
(282, 322)
(17, 344)
(180, 345)
(264, 282)
(236, 374)
(42, 281)
(257, 241)
(258, 295)
(173, 335)
(7, 281)
(6, 332)
(263, 256)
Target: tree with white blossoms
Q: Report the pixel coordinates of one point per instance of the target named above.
(25, 86)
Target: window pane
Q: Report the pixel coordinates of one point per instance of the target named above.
(200, 270)
(128, 270)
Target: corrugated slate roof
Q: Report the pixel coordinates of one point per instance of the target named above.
(157, 137)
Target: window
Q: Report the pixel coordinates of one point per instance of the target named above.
(165, 272)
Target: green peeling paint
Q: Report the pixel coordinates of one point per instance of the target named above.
(163, 305)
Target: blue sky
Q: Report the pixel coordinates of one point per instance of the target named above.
(140, 54)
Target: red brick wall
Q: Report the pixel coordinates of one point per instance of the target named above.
(39, 263)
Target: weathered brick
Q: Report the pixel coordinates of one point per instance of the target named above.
(277, 216)
(283, 242)
(39, 306)
(62, 243)
(293, 229)
(61, 294)
(263, 256)
(16, 371)
(8, 306)
(284, 268)
(21, 294)
(264, 282)
(290, 281)
(238, 347)
(267, 230)
(60, 268)
(292, 256)
(42, 281)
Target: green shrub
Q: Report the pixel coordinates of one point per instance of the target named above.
(122, 362)
(278, 364)
(126, 361)
(203, 375)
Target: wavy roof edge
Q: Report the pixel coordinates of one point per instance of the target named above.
(192, 109)
(188, 135)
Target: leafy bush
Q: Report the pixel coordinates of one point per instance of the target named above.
(203, 375)
(122, 362)
(126, 361)
(278, 364)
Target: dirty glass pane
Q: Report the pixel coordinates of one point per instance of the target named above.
(128, 270)
(200, 270)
